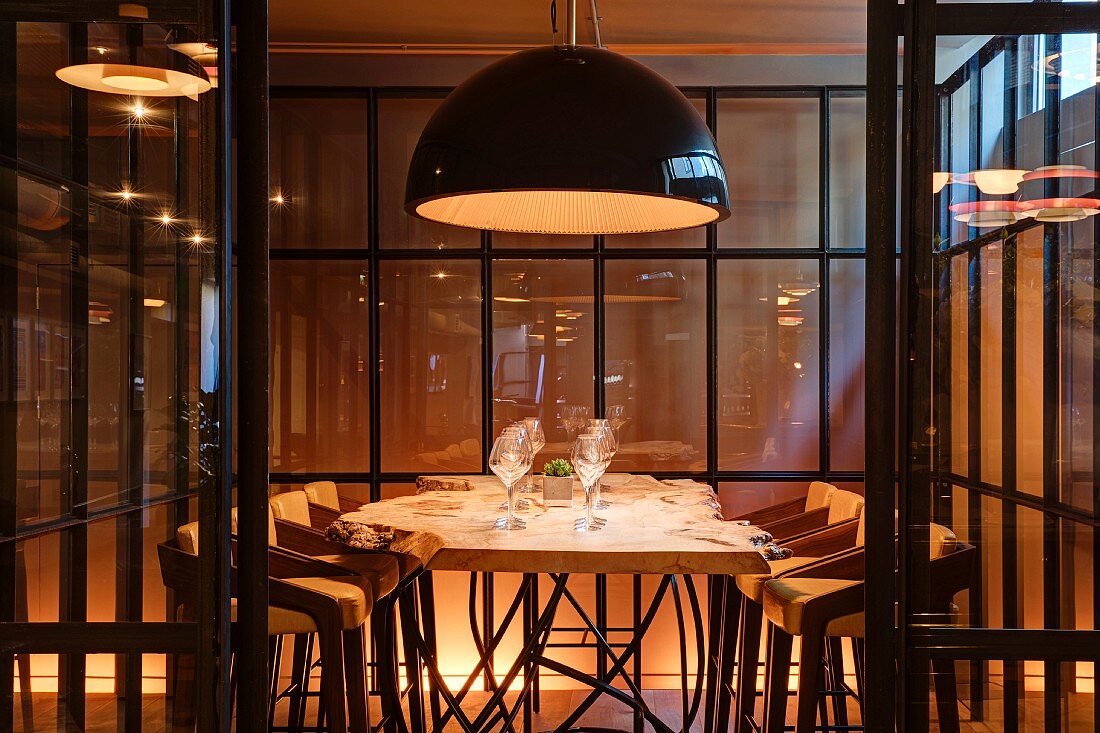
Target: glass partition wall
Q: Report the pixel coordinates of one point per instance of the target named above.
(113, 397)
(999, 352)
(402, 347)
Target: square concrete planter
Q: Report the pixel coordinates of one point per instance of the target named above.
(557, 491)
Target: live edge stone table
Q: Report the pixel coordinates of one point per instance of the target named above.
(666, 528)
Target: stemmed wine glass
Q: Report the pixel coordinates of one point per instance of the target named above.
(589, 455)
(520, 430)
(573, 417)
(603, 428)
(510, 459)
(533, 425)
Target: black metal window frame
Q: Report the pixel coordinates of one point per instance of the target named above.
(599, 254)
(913, 643)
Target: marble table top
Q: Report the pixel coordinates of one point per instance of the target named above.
(652, 526)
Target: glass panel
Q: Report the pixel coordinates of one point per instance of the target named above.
(769, 365)
(991, 348)
(543, 346)
(515, 240)
(431, 365)
(400, 122)
(960, 401)
(1029, 370)
(741, 497)
(847, 171)
(1078, 312)
(320, 366)
(655, 362)
(772, 155)
(319, 173)
(847, 303)
(393, 490)
(41, 98)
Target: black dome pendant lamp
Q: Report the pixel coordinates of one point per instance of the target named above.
(567, 140)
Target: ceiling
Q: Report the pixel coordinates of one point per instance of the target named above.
(631, 26)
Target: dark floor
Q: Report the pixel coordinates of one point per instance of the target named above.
(102, 713)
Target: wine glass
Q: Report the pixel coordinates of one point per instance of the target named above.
(616, 417)
(589, 456)
(533, 425)
(603, 428)
(518, 429)
(509, 460)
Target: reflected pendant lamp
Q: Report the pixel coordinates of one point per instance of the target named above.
(567, 140)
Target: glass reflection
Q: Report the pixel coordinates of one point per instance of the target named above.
(847, 303)
(431, 397)
(320, 390)
(542, 346)
(768, 365)
(400, 122)
(319, 173)
(655, 362)
(771, 150)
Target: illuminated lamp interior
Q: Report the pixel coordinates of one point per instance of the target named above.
(131, 79)
(567, 212)
(939, 181)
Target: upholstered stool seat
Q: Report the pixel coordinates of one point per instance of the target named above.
(752, 586)
(381, 570)
(785, 600)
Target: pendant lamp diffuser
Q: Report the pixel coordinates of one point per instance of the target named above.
(567, 140)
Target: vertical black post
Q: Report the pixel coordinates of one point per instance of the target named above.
(9, 307)
(879, 420)
(128, 606)
(1010, 591)
(254, 419)
(1052, 411)
(73, 544)
(212, 705)
(374, 297)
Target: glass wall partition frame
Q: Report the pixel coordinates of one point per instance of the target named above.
(493, 297)
(999, 376)
(113, 396)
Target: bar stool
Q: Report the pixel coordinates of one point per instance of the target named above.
(785, 519)
(307, 596)
(298, 524)
(841, 532)
(826, 600)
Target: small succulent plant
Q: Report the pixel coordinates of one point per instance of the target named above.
(558, 467)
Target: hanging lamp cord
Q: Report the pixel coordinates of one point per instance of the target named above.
(554, 21)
